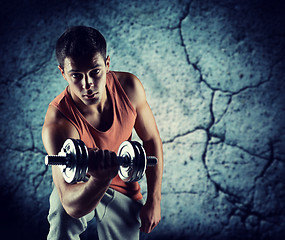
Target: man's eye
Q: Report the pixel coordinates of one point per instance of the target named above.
(76, 76)
(95, 72)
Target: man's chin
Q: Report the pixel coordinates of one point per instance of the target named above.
(92, 101)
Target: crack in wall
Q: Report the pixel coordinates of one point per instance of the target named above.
(195, 65)
(36, 69)
(222, 140)
(233, 93)
(245, 209)
(271, 159)
(37, 178)
(40, 175)
(171, 140)
(226, 110)
(233, 198)
(187, 11)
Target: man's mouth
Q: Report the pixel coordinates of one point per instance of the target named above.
(90, 96)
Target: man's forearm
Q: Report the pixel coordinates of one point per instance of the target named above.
(154, 174)
(81, 198)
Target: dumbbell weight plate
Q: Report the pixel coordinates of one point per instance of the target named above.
(133, 171)
(77, 163)
(134, 164)
(76, 168)
(69, 149)
(83, 161)
(126, 171)
(140, 161)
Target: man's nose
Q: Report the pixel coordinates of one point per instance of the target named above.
(88, 82)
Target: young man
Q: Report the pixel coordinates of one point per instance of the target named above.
(101, 108)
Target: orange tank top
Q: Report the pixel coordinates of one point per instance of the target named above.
(124, 116)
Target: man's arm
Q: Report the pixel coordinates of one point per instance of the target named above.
(146, 129)
(81, 198)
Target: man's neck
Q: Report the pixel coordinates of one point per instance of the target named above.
(102, 104)
(96, 108)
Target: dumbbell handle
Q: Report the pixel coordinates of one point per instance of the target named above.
(150, 161)
(123, 161)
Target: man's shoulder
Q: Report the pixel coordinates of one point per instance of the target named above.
(59, 98)
(126, 79)
(53, 115)
(132, 86)
(57, 108)
(56, 123)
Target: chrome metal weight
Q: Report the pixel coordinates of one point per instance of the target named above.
(135, 168)
(73, 161)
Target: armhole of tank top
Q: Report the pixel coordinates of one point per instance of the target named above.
(56, 105)
(128, 101)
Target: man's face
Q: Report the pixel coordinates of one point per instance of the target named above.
(86, 78)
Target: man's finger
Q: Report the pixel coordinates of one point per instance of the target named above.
(148, 227)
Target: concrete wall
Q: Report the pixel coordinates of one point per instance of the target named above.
(213, 72)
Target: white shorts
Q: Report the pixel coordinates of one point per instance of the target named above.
(117, 217)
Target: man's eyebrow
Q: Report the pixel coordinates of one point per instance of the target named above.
(96, 65)
(75, 70)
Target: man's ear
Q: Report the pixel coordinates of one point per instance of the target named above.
(62, 72)
(108, 64)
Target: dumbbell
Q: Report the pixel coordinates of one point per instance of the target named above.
(73, 161)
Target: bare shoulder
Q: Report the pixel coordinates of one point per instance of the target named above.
(56, 130)
(132, 86)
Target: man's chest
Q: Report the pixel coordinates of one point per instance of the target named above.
(101, 121)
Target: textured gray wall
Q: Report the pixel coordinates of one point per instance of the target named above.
(213, 72)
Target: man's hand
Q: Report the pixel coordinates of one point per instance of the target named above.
(150, 216)
(102, 165)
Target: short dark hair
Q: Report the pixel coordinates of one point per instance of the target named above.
(80, 41)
